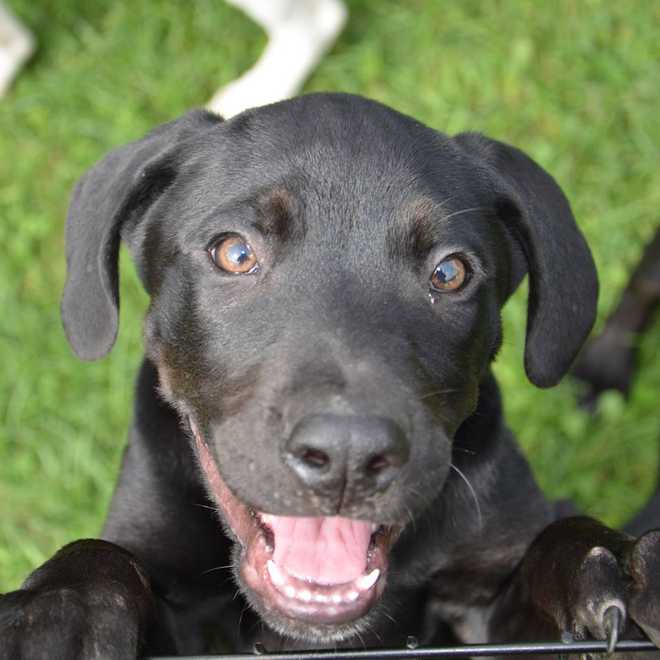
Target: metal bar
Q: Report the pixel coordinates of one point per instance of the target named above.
(466, 650)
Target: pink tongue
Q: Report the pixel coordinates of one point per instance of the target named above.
(322, 550)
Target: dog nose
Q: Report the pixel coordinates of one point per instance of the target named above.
(336, 454)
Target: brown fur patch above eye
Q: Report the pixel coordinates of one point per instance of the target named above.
(413, 234)
(278, 214)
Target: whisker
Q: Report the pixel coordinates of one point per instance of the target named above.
(205, 506)
(475, 208)
(411, 518)
(464, 450)
(472, 492)
(359, 636)
(388, 616)
(371, 629)
(243, 611)
(440, 415)
(446, 201)
(216, 568)
(438, 392)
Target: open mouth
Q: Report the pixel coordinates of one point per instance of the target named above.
(321, 570)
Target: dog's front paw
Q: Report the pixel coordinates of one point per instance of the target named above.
(612, 595)
(643, 566)
(68, 623)
(596, 602)
(91, 600)
(594, 582)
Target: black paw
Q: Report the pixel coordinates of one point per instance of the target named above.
(91, 600)
(612, 597)
(68, 623)
(591, 582)
(643, 566)
(597, 604)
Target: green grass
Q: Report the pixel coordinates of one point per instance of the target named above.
(574, 83)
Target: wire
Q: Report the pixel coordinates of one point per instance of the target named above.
(465, 651)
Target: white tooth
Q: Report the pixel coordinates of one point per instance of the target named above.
(321, 598)
(365, 582)
(337, 598)
(351, 596)
(305, 594)
(276, 575)
(289, 591)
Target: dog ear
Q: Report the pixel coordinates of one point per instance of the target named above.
(563, 285)
(118, 189)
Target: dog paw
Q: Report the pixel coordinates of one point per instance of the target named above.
(598, 602)
(614, 596)
(71, 623)
(593, 582)
(643, 566)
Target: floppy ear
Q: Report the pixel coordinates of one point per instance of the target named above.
(563, 286)
(119, 188)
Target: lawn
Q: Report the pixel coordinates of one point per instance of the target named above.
(574, 83)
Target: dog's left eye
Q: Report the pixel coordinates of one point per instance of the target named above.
(233, 254)
(449, 275)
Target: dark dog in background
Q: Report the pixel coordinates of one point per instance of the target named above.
(326, 277)
(609, 361)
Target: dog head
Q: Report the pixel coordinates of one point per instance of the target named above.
(326, 277)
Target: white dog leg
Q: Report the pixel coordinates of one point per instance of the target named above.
(299, 33)
(16, 45)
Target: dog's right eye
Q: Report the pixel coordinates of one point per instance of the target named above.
(233, 254)
(449, 275)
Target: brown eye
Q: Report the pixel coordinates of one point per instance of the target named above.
(234, 254)
(449, 275)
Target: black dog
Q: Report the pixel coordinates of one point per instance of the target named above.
(609, 361)
(316, 415)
